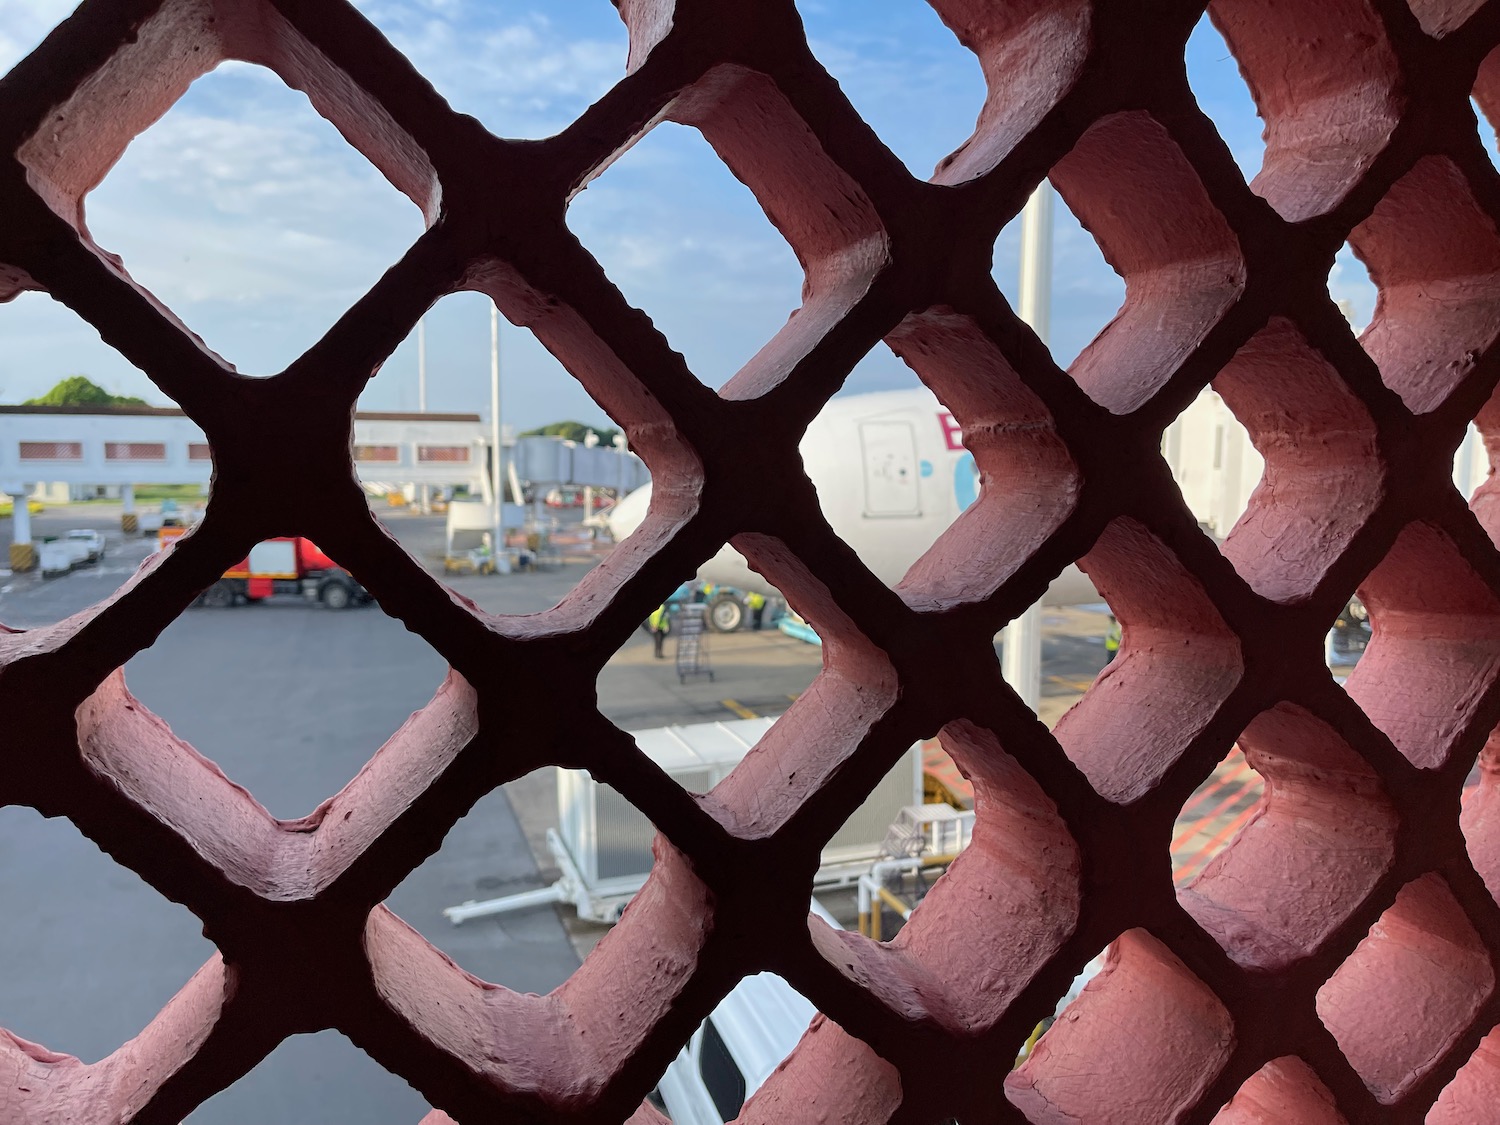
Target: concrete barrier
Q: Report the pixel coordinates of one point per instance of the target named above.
(22, 557)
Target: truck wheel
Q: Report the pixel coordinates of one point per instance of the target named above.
(726, 614)
(336, 595)
(219, 596)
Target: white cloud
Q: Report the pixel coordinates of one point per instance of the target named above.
(254, 221)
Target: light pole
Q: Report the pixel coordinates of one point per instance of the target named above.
(1021, 660)
(422, 390)
(496, 470)
(422, 365)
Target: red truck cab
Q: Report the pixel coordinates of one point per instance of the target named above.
(286, 566)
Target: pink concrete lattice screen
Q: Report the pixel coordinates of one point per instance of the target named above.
(1337, 962)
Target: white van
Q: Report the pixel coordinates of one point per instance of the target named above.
(736, 1048)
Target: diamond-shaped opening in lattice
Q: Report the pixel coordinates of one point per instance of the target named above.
(1434, 647)
(687, 242)
(250, 217)
(1214, 462)
(431, 476)
(1327, 84)
(815, 205)
(607, 378)
(521, 73)
(94, 952)
(1086, 292)
(984, 456)
(1409, 990)
(304, 1077)
(1291, 860)
(501, 847)
(1219, 87)
(1220, 806)
(1472, 468)
(1134, 190)
(198, 807)
(909, 77)
(1434, 254)
(1352, 290)
(628, 1009)
(1142, 1042)
(1284, 1090)
(68, 153)
(1472, 1093)
(1177, 663)
(917, 82)
(1079, 639)
(1322, 477)
(1014, 891)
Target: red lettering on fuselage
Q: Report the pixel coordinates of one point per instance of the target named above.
(953, 433)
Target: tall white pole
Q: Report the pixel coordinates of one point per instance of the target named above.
(422, 392)
(20, 515)
(497, 472)
(1022, 658)
(422, 365)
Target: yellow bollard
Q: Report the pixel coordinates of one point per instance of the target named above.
(129, 523)
(22, 557)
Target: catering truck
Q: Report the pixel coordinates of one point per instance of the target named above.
(286, 566)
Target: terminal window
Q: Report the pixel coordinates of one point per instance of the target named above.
(135, 451)
(370, 453)
(51, 451)
(442, 453)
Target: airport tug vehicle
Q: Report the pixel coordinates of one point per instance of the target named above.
(286, 566)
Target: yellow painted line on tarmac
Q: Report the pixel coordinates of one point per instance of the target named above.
(738, 708)
(1073, 685)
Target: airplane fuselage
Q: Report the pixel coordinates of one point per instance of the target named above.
(891, 473)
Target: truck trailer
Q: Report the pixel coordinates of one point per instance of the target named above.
(286, 566)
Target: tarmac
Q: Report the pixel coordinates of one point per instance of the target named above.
(290, 700)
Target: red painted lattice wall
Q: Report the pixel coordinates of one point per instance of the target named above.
(1337, 962)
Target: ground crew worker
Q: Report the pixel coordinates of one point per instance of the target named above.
(1112, 639)
(757, 603)
(660, 624)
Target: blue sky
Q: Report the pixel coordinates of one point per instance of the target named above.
(254, 221)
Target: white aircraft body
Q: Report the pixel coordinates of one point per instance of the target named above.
(891, 474)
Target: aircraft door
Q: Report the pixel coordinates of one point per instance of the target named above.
(891, 470)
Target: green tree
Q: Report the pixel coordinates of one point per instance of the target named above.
(79, 390)
(573, 431)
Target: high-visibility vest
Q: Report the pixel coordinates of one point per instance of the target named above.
(660, 620)
(755, 600)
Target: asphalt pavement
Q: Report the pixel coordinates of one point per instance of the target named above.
(290, 700)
